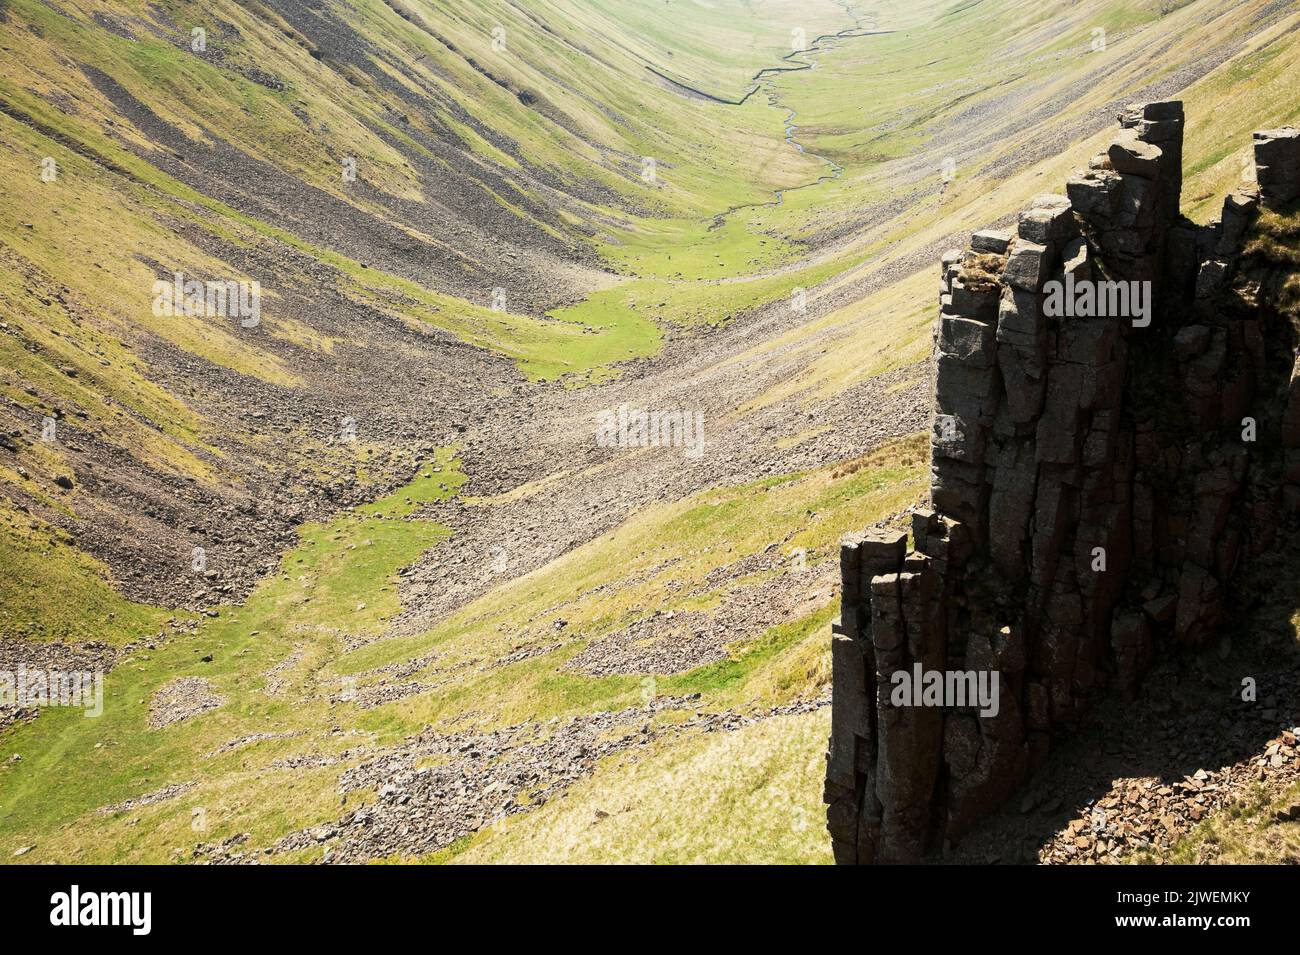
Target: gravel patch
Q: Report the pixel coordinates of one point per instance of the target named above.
(183, 699)
(148, 799)
(52, 657)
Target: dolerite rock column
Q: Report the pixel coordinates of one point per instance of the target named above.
(851, 762)
(1092, 494)
(1277, 165)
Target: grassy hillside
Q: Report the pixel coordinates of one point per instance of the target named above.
(280, 661)
(500, 146)
(487, 186)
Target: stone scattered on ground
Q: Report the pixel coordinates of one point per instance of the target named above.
(148, 799)
(436, 788)
(183, 699)
(674, 642)
(1140, 776)
(49, 657)
(277, 676)
(241, 742)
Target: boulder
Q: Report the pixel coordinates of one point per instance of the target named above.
(1128, 155)
(1048, 226)
(1277, 165)
(1028, 266)
(991, 241)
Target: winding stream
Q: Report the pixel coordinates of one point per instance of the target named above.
(763, 80)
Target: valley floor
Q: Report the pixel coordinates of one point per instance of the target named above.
(518, 645)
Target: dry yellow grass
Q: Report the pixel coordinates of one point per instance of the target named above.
(751, 796)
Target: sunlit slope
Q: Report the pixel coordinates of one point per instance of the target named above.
(465, 147)
(398, 179)
(1018, 98)
(282, 661)
(466, 120)
(1234, 66)
(749, 797)
(947, 117)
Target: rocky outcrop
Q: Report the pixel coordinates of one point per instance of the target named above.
(1116, 428)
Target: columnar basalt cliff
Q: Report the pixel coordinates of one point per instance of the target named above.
(1116, 430)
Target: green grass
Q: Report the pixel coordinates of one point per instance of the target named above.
(316, 598)
(672, 269)
(649, 562)
(747, 797)
(201, 99)
(50, 590)
(1247, 832)
(771, 650)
